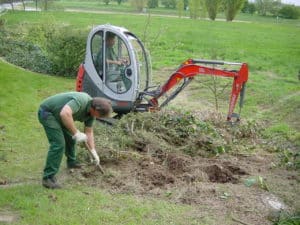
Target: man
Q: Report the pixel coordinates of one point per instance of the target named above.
(111, 56)
(57, 115)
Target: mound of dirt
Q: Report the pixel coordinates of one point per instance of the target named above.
(181, 159)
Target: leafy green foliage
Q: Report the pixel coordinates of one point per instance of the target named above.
(47, 48)
(248, 7)
(212, 7)
(232, 7)
(139, 5)
(152, 3)
(171, 4)
(23, 54)
(288, 219)
(289, 12)
(176, 131)
(194, 8)
(180, 7)
(263, 6)
(66, 49)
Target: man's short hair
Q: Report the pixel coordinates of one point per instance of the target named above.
(110, 35)
(103, 106)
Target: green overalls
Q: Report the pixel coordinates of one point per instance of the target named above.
(60, 139)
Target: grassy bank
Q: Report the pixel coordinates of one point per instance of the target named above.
(272, 95)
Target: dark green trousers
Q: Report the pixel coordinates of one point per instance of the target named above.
(60, 141)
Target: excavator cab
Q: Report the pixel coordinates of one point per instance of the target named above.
(116, 67)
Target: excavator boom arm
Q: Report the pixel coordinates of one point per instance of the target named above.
(191, 68)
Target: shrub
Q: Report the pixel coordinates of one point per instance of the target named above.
(23, 54)
(232, 7)
(152, 4)
(289, 12)
(65, 50)
(171, 4)
(45, 48)
(249, 8)
(28, 56)
(139, 5)
(212, 7)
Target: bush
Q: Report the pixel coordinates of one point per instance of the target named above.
(66, 49)
(23, 54)
(28, 56)
(249, 8)
(152, 4)
(289, 12)
(232, 7)
(170, 4)
(45, 48)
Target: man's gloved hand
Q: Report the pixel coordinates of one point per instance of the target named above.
(95, 155)
(79, 137)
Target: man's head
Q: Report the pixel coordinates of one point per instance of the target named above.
(101, 107)
(110, 39)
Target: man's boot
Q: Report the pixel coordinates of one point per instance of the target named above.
(51, 183)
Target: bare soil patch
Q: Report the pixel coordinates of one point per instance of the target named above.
(215, 187)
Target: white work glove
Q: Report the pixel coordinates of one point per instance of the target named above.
(79, 137)
(95, 155)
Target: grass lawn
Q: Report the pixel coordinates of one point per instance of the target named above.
(273, 94)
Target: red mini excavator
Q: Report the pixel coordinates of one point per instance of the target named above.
(117, 67)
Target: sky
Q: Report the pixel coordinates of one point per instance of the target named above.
(293, 2)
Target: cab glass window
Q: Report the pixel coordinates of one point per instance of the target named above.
(117, 61)
(97, 52)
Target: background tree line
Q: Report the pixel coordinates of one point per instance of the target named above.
(196, 8)
(210, 8)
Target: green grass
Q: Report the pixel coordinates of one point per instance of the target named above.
(33, 204)
(271, 49)
(21, 134)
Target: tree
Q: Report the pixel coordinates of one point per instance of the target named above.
(180, 7)
(194, 9)
(202, 9)
(169, 3)
(289, 12)
(23, 3)
(212, 7)
(12, 5)
(275, 7)
(119, 2)
(46, 4)
(106, 2)
(139, 5)
(232, 7)
(248, 7)
(186, 4)
(152, 4)
(263, 6)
